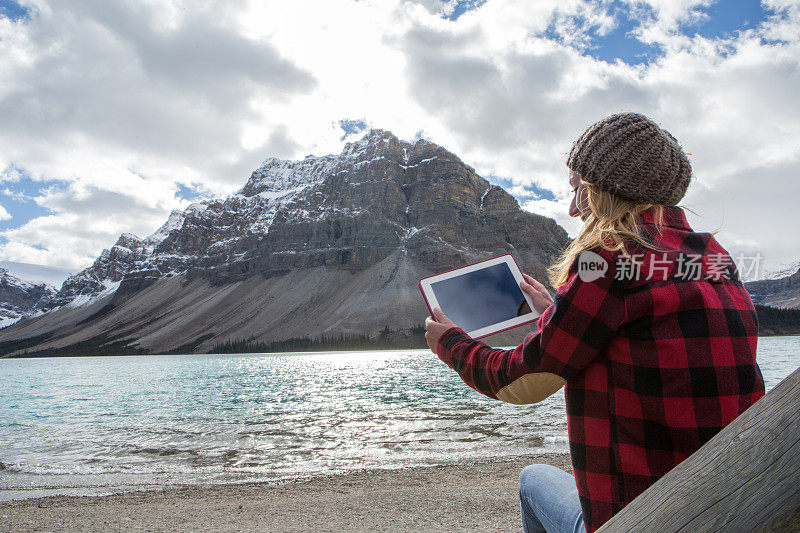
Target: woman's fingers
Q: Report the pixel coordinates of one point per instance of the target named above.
(440, 317)
(535, 284)
(538, 287)
(532, 282)
(435, 326)
(538, 293)
(528, 288)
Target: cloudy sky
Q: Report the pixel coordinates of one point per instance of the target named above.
(114, 113)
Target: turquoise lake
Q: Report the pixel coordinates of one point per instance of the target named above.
(95, 425)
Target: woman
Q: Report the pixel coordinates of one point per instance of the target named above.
(656, 354)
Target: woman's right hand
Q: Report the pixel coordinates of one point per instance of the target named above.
(538, 293)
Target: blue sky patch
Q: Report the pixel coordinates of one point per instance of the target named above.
(723, 19)
(193, 192)
(17, 197)
(349, 127)
(420, 134)
(462, 6)
(727, 17)
(621, 43)
(14, 11)
(532, 190)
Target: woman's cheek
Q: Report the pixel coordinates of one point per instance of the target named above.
(573, 208)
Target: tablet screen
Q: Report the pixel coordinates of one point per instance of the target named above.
(480, 298)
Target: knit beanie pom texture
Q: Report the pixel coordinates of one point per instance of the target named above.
(630, 155)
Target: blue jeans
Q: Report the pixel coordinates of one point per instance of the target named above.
(549, 501)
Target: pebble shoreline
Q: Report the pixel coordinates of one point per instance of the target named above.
(479, 496)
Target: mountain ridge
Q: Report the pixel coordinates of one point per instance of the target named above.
(325, 244)
(20, 298)
(780, 292)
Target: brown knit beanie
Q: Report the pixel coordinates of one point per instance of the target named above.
(630, 155)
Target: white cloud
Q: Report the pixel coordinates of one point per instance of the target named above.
(515, 105)
(4, 215)
(661, 19)
(84, 215)
(125, 101)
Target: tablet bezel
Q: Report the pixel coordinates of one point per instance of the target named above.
(431, 301)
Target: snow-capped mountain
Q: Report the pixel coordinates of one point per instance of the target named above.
(325, 244)
(781, 290)
(218, 232)
(20, 298)
(36, 274)
(206, 234)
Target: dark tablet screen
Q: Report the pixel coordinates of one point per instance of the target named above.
(481, 298)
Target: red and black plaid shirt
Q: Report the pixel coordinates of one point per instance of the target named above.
(658, 354)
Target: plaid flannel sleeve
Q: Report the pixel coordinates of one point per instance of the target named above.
(584, 317)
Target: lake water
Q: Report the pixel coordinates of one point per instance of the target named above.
(95, 425)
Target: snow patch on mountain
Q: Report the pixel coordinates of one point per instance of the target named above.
(320, 196)
(173, 223)
(225, 227)
(109, 288)
(20, 298)
(37, 274)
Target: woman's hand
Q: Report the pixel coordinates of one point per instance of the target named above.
(539, 296)
(434, 327)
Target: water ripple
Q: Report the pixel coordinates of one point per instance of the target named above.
(88, 424)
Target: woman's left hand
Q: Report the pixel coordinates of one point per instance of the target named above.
(538, 293)
(436, 325)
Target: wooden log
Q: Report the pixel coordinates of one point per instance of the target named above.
(746, 478)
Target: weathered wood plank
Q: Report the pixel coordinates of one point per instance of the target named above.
(746, 478)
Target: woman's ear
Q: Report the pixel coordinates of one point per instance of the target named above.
(582, 197)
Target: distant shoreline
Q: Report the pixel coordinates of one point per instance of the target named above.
(287, 352)
(475, 496)
(772, 322)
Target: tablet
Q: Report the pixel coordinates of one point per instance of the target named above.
(483, 298)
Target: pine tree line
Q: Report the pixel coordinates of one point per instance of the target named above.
(386, 339)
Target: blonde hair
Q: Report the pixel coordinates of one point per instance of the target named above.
(611, 221)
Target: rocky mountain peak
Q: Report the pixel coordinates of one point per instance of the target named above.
(280, 175)
(19, 298)
(129, 241)
(779, 291)
(350, 210)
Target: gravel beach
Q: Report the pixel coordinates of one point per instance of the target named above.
(470, 497)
